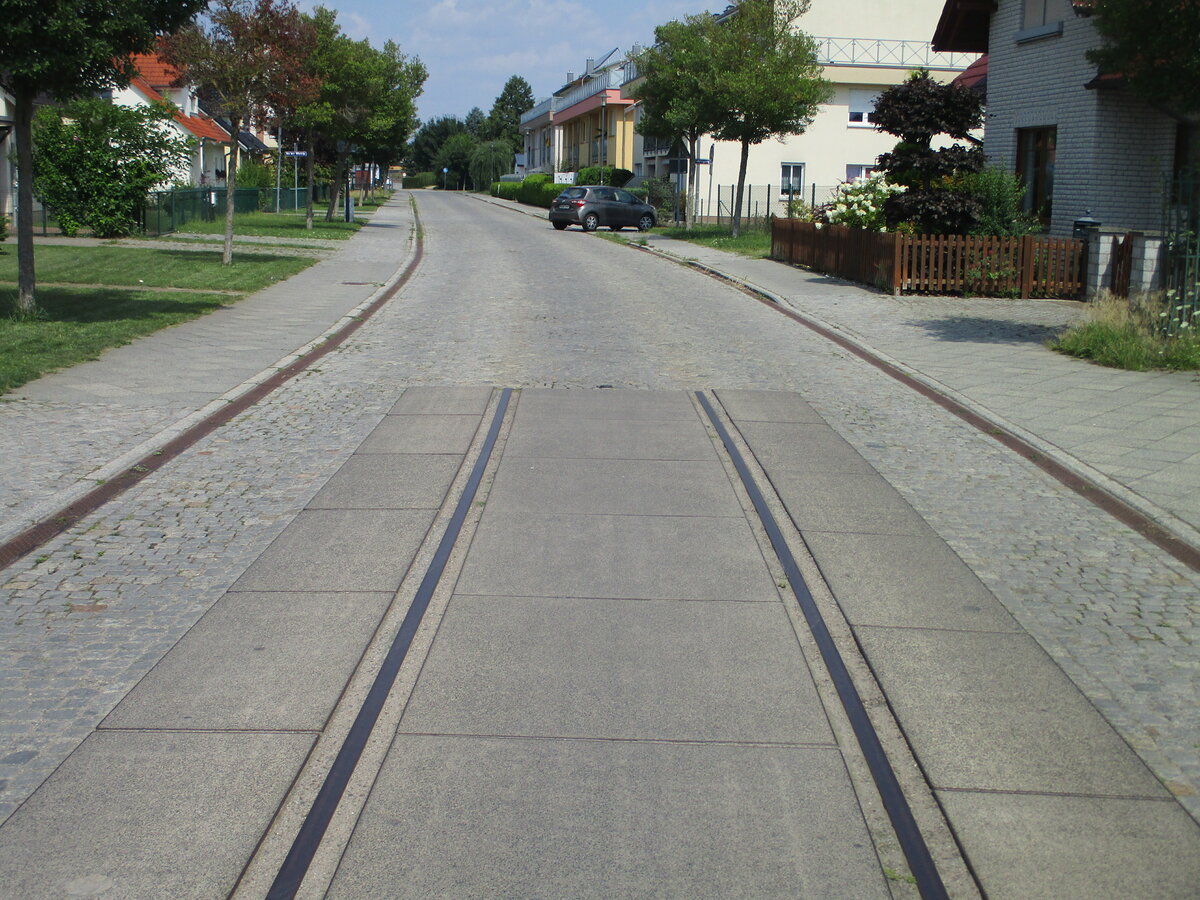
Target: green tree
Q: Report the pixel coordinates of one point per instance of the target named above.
(771, 82)
(475, 123)
(250, 56)
(489, 161)
(455, 154)
(68, 48)
(504, 121)
(429, 139)
(94, 162)
(1155, 45)
(676, 90)
(917, 111)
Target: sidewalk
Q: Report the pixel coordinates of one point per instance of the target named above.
(65, 432)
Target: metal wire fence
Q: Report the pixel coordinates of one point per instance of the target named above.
(1181, 227)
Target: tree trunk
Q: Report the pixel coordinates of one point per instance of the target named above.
(230, 191)
(335, 189)
(689, 211)
(741, 186)
(23, 126)
(310, 168)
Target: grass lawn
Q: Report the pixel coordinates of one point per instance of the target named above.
(79, 323)
(755, 244)
(269, 224)
(130, 266)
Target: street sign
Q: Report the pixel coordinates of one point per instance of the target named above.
(295, 153)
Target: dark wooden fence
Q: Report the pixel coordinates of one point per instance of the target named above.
(938, 264)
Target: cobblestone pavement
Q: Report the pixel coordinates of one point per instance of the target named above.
(534, 307)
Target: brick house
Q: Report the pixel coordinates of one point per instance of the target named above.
(1083, 144)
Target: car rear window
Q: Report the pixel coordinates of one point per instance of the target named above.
(574, 193)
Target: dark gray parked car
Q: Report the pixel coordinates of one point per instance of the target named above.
(590, 206)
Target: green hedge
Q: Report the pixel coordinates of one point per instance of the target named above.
(420, 180)
(603, 175)
(539, 178)
(536, 190)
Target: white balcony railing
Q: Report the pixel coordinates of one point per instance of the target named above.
(888, 54)
(594, 85)
(550, 104)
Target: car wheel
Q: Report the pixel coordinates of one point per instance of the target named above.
(591, 222)
(559, 226)
(646, 222)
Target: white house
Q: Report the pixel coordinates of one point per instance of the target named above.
(154, 82)
(865, 46)
(8, 150)
(1086, 147)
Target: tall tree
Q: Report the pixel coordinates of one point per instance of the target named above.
(455, 156)
(676, 91)
(504, 121)
(771, 82)
(248, 55)
(489, 161)
(67, 48)
(475, 122)
(429, 139)
(1155, 45)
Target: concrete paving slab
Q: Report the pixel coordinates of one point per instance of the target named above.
(905, 580)
(653, 558)
(485, 817)
(537, 435)
(993, 712)
(389, 481)
(622, 669)
(606, 404)
(767, 406)
(149, 814)
(421, 434)
(257, 661)
(863, 503)
(807, 447)
(1026, 846)
(467, 400)
(340, 550)
(614, 487)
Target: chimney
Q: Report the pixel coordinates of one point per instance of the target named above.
(570, 77)
(590, 64)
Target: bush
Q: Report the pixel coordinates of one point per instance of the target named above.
(95, 162)
(538, 193)
(419, 180)
(1000, 195)
(603, 175)
(3, 228)
(506, 190)
(860, 203)
(539, 178)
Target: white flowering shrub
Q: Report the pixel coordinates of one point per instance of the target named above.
(859, 203)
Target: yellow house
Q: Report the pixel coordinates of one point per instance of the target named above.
(587, 121)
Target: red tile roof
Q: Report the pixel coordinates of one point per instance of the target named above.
(156, 70)
(975, 75)
(200, 126)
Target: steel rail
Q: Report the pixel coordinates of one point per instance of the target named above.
(295, 866)
(912, 842)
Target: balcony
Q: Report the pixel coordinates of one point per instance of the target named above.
(888, 54)
(550, 104)
(602, 81)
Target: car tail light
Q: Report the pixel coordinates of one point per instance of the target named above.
(577, 203)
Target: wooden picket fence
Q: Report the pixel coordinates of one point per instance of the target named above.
(1029, 266)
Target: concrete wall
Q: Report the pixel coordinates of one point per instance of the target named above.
(1112, 149)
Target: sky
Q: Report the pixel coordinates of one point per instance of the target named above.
(472, 47)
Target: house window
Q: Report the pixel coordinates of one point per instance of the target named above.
(856, 171)
(1041, 18)
(862, 107)
(791, 178)
(1035, 167)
